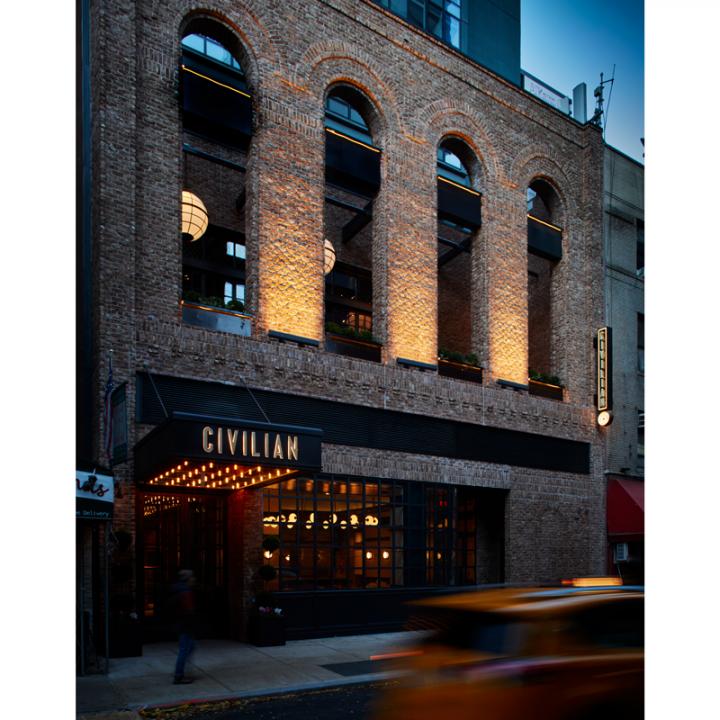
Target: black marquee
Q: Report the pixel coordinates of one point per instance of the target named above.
(189, 436)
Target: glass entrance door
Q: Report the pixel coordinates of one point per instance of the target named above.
(183, 531)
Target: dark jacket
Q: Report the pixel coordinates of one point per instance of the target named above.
(183, 604)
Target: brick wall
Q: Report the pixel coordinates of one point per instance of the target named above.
(420, 92)
(540, 314)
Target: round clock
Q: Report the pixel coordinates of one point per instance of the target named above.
(604, 418)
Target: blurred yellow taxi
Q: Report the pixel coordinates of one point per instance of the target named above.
(572, 652)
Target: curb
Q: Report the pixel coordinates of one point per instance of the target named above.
(167, 709)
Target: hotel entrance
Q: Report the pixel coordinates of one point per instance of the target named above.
(198, 508)
(183, 530)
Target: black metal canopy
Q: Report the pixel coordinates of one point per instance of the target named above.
(206, 451)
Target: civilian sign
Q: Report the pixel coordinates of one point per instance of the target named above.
(604, 375)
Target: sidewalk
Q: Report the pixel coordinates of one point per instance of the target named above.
(223, 670)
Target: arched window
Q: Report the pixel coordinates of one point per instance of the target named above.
(544, 253)
(351, 159)
(458, 220)
(451, 167)
(211, 49)
(541, 201)
(216, 102)
(352, 180)
(341, 115)
(217, 128)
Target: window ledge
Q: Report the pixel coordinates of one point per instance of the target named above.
(512, 385)
(298, 339)
(404, 362)
(353, 347)
(547, 390)
(460, 371)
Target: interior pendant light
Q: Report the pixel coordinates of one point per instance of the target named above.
(194, 216)
(328, 256)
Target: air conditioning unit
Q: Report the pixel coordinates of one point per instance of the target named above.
(621, 553)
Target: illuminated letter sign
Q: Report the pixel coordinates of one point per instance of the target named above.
(189, 437)
(264, 445)
(604, 369)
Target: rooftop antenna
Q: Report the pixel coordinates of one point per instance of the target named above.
(600, 99)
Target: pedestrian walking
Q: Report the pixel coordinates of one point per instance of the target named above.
(184, 606)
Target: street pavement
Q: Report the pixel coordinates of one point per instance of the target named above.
(225, 671)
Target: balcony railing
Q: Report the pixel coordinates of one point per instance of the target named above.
(350, 347)
(544, 239)
(458, 204)
(546, 390)
(214, 318)
(351, 164)
(459, 371)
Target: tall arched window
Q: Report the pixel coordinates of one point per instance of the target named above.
(352, 180)
(216, 102)
(458, 220)
(544, 252)
(217, 129)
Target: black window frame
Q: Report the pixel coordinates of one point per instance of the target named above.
(203, 266)
(429, 15)
(344, 122)
(449, 171)
(215, 100)
(348, 310)
(237, 67)
(416, 526)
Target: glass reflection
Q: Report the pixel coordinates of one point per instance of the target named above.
(338, 533)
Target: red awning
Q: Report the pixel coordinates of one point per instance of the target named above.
(626, 507)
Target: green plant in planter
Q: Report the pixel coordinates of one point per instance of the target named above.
(264, 603)
(544, 377)
(458, 357)
(193, 296)
(196, 297)
(266, 625)
(347, 331)
(235, 305)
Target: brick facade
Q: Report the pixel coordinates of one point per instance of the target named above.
(420, 91)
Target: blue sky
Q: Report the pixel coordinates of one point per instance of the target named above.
(566, 42)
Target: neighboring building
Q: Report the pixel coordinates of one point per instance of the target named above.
(383, 240)
(624, 231)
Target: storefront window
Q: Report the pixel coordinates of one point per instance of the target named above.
(341, 533)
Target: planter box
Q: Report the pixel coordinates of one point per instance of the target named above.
(266, 630)
(554, 392)
(459, 371)
(212, 318)
(360, 349)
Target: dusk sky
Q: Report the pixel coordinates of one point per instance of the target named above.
(566, 42)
